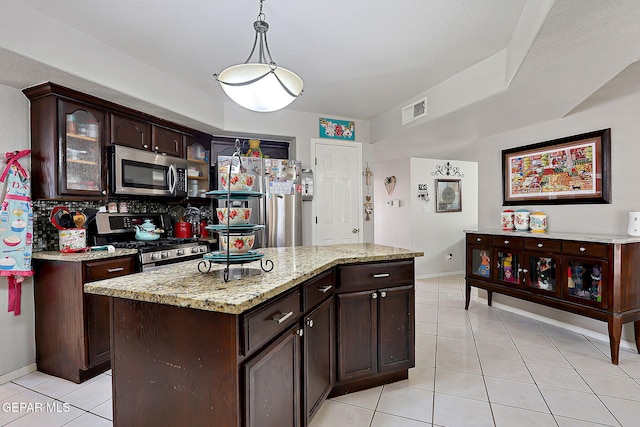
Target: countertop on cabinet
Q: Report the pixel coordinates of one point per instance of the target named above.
(184, 286)
(82, 256)
(595, 238)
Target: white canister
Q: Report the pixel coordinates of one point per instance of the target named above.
(72, 239)
(633, 229)
(538, 222)
(521, 219)
(506, 221)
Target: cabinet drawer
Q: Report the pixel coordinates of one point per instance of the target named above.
(545, 245)
(266, 322)
(375, 275)
(106, 269)
(318, 289)
(585, 249)
(508, 242)
(479, 238)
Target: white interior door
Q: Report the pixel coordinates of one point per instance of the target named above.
(338, 192)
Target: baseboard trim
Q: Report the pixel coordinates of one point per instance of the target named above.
(448, 273)
(18, 373)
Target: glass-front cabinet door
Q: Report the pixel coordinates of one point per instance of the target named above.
(81, 169)
(586, 281)
(479, 254)
(543, 270)
(508, 271)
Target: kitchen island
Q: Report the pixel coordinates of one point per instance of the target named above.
(188, 348)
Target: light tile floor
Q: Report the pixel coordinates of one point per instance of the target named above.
(481, 367)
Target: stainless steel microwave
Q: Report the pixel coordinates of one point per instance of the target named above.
(145, 173)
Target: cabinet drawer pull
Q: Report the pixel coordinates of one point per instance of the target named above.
(378, 276)
(374, 295)
(582, 249)
(506, 242)
(540, 245)
(383, 294)
(114, 270)
(282, 317)
(325, 289)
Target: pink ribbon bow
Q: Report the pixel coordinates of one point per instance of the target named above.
(12, 160)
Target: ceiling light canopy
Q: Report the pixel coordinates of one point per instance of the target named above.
(262, 85)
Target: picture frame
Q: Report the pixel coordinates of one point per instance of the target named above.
(571, 170)
(448, 195)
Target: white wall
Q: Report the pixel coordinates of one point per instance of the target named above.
(439, 234)
(391, 225)
(17, 333)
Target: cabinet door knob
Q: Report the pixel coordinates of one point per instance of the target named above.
(310, 323)
(582, 249)
(145, 146)
(383, 294)
(300, 332)
(104, 192)
(506, 242)
(282, 317)
(540, 245)
(478, 239)
(374, 295)
(524, 270)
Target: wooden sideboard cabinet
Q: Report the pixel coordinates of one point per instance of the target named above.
(589, 276)
(72, 328)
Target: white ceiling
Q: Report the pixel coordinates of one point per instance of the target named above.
(362, 58)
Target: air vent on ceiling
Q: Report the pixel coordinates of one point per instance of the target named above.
(414, 111)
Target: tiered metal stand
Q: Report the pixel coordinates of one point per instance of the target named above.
(226, 257)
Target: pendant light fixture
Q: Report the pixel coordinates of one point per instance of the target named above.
(260, 85)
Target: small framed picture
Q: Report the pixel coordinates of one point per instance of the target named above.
(448, 195)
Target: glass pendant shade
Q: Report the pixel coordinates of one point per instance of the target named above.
(260, 87)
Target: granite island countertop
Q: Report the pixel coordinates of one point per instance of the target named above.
(184, 286)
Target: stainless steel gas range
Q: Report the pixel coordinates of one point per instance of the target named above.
(119, 230)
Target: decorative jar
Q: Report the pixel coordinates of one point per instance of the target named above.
(538, 222)
(507, 220)
(521, 220)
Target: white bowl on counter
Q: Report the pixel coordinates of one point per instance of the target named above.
(239, 181)
(237, 216)
(239, 244)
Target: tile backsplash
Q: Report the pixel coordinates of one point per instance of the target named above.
(45, 235)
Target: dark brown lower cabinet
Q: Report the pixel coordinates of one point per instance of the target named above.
(319, 361)
(375, 318)
(73, 328)
(272, 383)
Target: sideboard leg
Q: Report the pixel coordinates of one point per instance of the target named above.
(615, 332)
(636, 328)
(467, 292)
(489, 297)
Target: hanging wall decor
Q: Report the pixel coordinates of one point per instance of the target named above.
(574, 169)
(447, 169)
(337, 129)
(448, 195)
(390, 184)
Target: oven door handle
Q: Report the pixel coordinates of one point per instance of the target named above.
(172, 178)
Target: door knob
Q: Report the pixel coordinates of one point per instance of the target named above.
(355, 230)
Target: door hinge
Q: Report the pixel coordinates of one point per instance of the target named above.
(316, 220)
(316, 161)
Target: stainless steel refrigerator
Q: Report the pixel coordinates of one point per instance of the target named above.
(281, 208)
